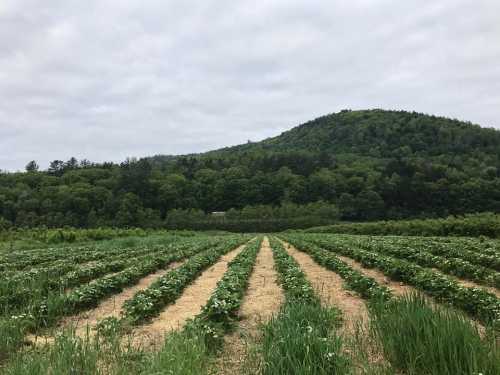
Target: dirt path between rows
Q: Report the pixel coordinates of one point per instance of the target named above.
(113, 306)
(396, 287)
(330, 288)
(84, 322)
(469, 283)
(151, 335)
(264, 298)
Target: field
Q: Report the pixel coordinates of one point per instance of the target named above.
(286, 303)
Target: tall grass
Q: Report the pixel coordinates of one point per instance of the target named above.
(109, 353)
(418, 338)
(301, 340)
(184, 352)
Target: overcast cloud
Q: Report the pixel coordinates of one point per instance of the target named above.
(107, 79)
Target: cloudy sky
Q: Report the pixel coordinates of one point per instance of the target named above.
(107, 79)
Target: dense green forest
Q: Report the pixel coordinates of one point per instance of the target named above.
(351, 165)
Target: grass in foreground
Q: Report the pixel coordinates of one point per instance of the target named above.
(183, 352)
(302, 340)
(421, 339)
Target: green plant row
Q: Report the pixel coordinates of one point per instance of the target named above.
(36, 258)
(474, 250)
(220, 312)
(18, 291)
(450, 265)
(295, 284)
(366, 286)
(149, 302)
(302, 338)
(47, 312)
(23, 292)
(477, 302)
(481, 245)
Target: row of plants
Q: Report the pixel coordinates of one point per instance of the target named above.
(221, 310)
(302, 338)
(366, 286)
(23, 259)
(47, 311)
(478, 302)
(18, 292)
(475, 251)
(450, 265)
(294, 282)
(25, 292)
(479, 245)
(149, 302)
(413, 336)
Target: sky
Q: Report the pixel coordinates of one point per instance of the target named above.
(110, 79)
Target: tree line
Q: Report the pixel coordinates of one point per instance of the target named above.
(308, 182)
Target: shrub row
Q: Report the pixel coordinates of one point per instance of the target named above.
(474, 225)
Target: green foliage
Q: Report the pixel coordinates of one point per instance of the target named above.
(297, 287)
(220, 312)
(478, 302)
(355, 280)
(301, 340)
(184, 352)
(419, 339)
(149, 302)
(485, 224)
(362, 165)
(38, 299)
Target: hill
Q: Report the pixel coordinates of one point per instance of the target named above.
(353, 165)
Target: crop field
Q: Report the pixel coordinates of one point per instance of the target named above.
(286, 303)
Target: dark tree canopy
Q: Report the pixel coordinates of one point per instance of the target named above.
(357, 165)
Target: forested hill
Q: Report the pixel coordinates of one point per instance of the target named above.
(379, 133)
(353, 165)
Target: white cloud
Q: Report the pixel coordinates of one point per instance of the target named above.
(108, 79)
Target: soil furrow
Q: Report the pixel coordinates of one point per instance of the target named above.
(263, 298)
(85, 322)
(396, 287)
(330, 288)
(113, 306)
(469, 283)
(187, 306)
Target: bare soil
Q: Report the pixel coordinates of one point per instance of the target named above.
(189, 304)
(329, 287)
(470, 284)
(263, 299)
(84, 322)
(396, 287)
